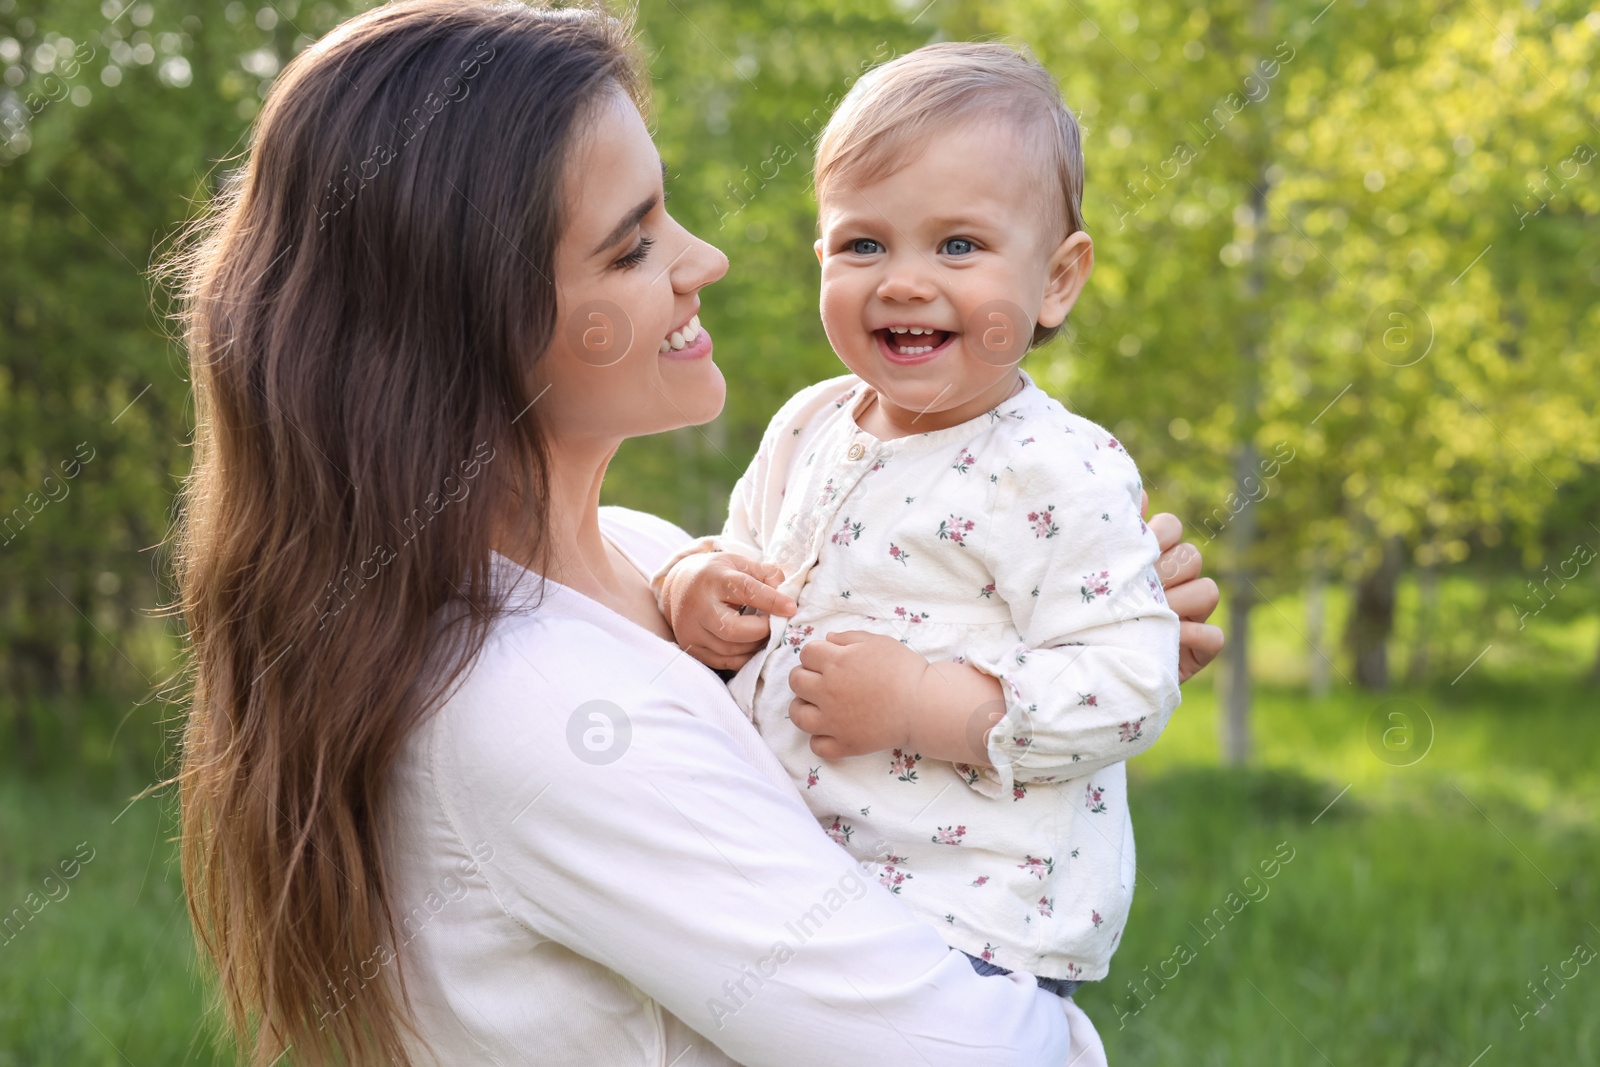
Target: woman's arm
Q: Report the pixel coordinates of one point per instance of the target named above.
(689, 871)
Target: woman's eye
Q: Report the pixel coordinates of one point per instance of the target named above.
(865, 246)
(637, 256)
(957, 246)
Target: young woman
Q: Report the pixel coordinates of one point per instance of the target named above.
(450, 794)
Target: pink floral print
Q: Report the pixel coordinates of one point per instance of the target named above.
(1096, 585)
(795, 635)
(1131, 731)
(1043, 522)
(1096, 802)
(1047, 907)
(903, 764)
(963, 462)
(840, 831)
(955, 528)
(1037, 867)
(812, 777)
(910, 616)
(891, 876)
(949, 835)
(898, 554)
(987, 592)
(847, 533)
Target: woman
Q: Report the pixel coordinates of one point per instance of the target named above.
(437, 808)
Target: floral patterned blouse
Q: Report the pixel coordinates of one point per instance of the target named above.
(1013, 542)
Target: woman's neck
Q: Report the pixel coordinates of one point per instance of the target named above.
(573, 551)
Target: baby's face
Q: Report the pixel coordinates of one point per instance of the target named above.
(933, 277)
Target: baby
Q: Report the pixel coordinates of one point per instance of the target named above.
(977, 639)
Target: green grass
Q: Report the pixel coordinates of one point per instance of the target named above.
(1403, 931)
(1414, 912)
(103, 973)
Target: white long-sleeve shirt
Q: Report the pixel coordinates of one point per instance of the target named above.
(596, 861)
(1012, 542)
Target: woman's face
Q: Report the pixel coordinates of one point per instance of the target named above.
(628, 357)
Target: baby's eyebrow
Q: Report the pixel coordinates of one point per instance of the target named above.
(956, 222)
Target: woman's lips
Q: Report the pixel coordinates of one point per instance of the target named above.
(905, 359)
(698, 348)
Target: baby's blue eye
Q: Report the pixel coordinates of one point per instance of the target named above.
(958, 246)
(865, 246)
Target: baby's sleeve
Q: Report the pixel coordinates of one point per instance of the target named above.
(1095, 678)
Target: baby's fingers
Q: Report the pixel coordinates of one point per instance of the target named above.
(749, 591)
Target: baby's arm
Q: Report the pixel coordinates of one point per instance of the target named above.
(1095, 678)
(702, 590)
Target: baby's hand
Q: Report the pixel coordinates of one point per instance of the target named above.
(855, 693)
(701, 597)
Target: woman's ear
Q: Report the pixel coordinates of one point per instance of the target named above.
(1068, 270)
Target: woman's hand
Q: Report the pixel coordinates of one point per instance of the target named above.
(701, 597)
(1194, 598)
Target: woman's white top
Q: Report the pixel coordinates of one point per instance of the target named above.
(595, 860)
(1012, 542)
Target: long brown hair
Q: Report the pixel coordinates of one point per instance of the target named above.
(362, 304)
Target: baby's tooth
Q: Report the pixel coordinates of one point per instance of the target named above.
(677, 341)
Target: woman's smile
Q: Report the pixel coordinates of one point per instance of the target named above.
(688, 341)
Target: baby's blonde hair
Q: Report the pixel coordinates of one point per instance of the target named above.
(909, 99)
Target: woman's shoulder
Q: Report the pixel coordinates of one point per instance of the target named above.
(648, 538)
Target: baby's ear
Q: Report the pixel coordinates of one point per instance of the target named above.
(818, 247)
(1066, 274)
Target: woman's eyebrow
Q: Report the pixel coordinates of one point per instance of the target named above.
(632, 218)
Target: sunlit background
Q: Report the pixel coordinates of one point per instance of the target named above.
(1344, 315)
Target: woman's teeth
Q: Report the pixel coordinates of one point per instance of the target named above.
(681, 339)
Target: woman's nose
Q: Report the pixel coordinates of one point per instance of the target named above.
(700, 264)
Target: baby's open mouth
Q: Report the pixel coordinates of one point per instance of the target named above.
(913, 340)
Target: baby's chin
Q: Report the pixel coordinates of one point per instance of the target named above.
(932, 396)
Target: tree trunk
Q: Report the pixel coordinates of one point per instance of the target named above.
(1234, 682)
(1372, 619)
(1427, 615)
(1316, 632)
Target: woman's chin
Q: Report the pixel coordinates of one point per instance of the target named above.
(697, 392)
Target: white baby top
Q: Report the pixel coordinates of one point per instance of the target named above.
(596, 862)
(1013, 541)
